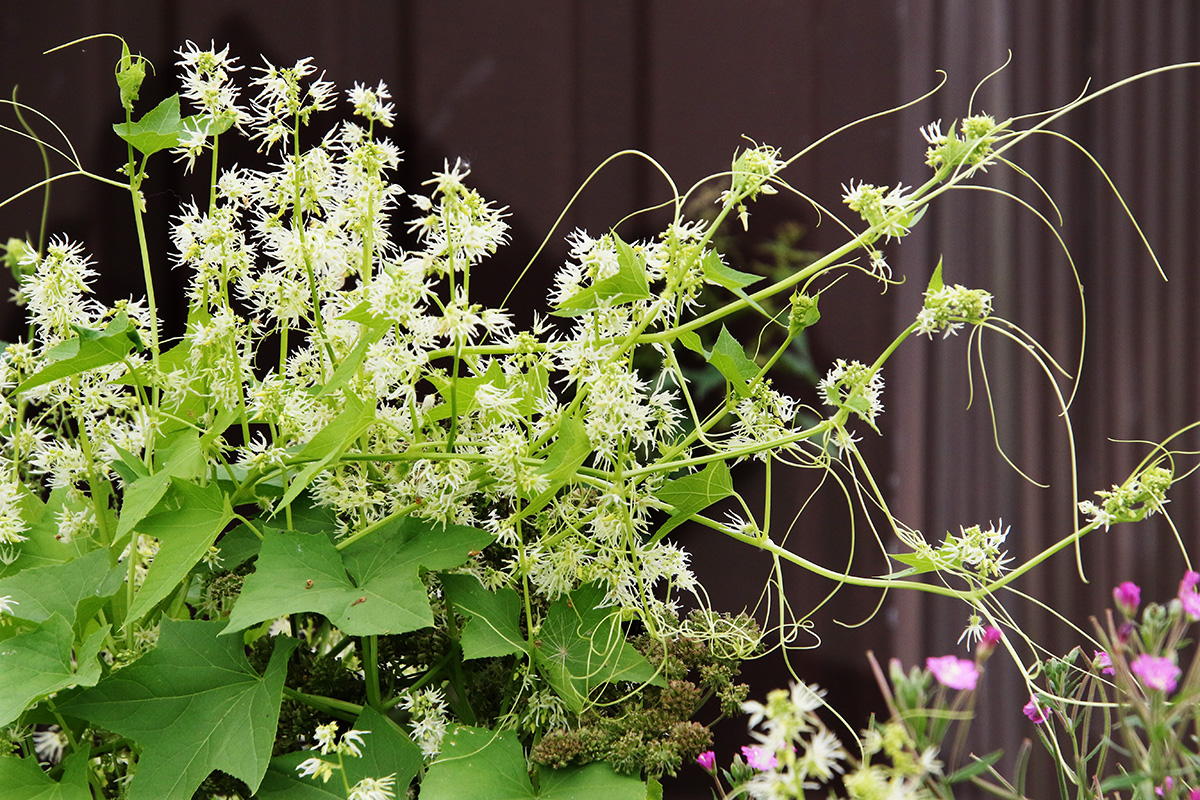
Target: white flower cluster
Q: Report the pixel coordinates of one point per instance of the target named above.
(349, 744)
(886, 210)
(428, 719)
(854, 386)
(796, 752)
(948, 308)
(981, 550)
(973, 147)
(1141, 496)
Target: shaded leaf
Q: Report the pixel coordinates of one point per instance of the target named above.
(373, 586)
(494, 624)
(194, 704)
(24, 778)
(581, 646)
(478, 764)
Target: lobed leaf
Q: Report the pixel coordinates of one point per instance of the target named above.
(194, 704)
(372, 587)
(494, 624)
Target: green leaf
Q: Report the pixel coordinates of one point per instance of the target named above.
(935, 281)
(478, 764)
(130, 72)
(567, 454)
(89, 350)
(917, 563)
(158, 130)
(24, 778)
(463, 390)
(691, 340)
(716, 272)
(581, 646)
(729, 358)
(236, 548)
(976, 767)
(373, 586)
(188, 521)
(329, 443)
(626, 286)
(75, 590)
(194, 704)
(44, 545)
(388, 750)
(693, 493)
(493, 627)
(38, 663)
(349, 366)
(596, 780)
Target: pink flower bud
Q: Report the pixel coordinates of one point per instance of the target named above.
(1036, 713)
(987, 643)
(707, 760)
(1188, 595)
(1128, 596)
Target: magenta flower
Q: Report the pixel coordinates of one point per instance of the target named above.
(707, 760)
(1189, 596)
(1167, 785)
(1128, 596)
(1102, 662)
(987, 643)
(1156, 672)
(760, 758)
(1036, 713)
(957, 673)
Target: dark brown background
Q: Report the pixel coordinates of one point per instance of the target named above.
(535, 94)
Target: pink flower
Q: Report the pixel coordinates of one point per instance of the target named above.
(760, 758)
(707, 760)
(957, 673)
(1167, 784)
(1036, 713)
(1128, 596)
(1194, 794)
(987, 643)
(1156, 672)
(1189, 596)
(1102, 662)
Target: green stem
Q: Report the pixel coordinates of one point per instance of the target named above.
(371, 670)
(329, 705)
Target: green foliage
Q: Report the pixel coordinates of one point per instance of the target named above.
(373, 586)
(490, 765)
(194, 705)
